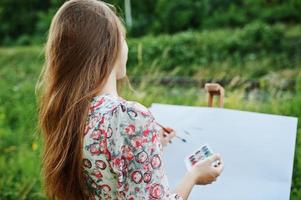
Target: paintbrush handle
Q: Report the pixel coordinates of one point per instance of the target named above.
(169, 130)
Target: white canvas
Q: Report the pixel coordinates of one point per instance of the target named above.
(257, 149)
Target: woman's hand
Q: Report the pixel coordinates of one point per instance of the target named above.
(203, 172)
(167, 135)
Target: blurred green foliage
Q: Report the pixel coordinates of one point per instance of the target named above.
(27, 22)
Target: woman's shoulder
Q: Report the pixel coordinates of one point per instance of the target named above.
(110, 104)
(130, 118)
(134, 106)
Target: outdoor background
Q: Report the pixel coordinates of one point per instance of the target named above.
(251, 47)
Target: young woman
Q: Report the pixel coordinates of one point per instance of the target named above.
(98, 145)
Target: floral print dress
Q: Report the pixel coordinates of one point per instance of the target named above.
(122, 155)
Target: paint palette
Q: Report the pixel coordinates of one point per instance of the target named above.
(200, 154)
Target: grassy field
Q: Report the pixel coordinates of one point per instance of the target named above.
(276, 91)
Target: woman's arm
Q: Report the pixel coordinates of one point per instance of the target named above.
(185, 186)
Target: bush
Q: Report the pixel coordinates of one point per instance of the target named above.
(32, 18)
(254, 42)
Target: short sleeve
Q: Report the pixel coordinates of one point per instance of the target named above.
(136, 154)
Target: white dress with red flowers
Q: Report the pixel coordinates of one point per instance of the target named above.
(122, 155)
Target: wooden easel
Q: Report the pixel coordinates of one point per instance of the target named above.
(215, 89)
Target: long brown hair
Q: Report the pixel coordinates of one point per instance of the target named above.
(82, 47)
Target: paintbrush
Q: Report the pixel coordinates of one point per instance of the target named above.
(169, 130)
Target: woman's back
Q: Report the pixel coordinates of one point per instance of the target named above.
(122, 154)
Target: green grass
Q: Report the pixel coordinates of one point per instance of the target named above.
(20, 146)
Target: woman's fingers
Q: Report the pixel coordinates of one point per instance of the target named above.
(171, 135)
(218, 163)
(167, 135)
(219, 168)
(214, 157)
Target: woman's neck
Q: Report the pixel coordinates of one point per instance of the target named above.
(111, 85)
